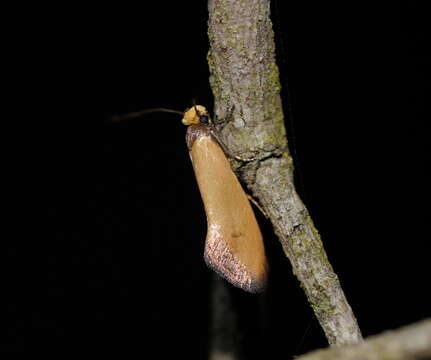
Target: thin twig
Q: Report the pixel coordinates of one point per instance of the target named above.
(224, 333)
(411, 342)
(245, 82)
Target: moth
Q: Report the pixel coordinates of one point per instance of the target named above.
(234, 246)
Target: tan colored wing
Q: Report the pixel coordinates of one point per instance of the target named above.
(234, 246)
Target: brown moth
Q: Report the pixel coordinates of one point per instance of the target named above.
(234, 245)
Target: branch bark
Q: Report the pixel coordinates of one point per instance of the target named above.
(411, 342)
(249, 117)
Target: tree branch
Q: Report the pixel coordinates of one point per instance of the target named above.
(248, 115)
(411, 342)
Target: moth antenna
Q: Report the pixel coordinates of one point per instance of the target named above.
(136, 114)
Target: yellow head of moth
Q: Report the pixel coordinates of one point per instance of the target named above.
(197, 114)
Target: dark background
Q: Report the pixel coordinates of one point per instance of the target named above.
(115, 263)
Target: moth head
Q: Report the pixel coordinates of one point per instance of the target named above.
(197, 114)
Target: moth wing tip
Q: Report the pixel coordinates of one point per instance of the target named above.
(252, 285)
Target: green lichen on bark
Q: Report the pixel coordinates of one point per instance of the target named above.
(241, 62)
(249, 117)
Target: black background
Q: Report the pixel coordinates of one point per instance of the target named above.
(116, 262)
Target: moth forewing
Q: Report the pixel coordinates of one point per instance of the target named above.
(234, 245)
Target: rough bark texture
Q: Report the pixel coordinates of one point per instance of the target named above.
(412, 342)
(249, 118)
